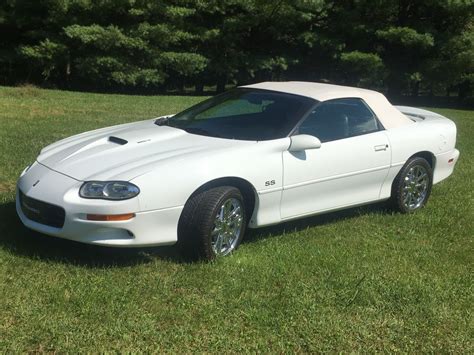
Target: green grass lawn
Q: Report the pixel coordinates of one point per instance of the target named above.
(365, 279)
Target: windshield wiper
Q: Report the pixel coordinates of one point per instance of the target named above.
(200, 131)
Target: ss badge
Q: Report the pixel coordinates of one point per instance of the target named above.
(270, 183)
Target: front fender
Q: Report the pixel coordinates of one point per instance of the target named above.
(171, 184)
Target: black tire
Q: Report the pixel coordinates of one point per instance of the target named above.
(198, 221)
(404, 188)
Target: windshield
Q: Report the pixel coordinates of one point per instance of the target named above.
(244, 114)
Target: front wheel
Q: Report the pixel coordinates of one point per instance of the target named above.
(412, 186)
(213, 223)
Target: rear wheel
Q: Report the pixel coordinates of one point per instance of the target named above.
(212, 223)
(412, 186)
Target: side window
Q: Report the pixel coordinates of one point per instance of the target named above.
(339, 119)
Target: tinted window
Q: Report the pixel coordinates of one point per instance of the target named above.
(246, 114)
(338, 119)
(234, 107)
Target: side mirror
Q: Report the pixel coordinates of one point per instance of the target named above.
(302, 142)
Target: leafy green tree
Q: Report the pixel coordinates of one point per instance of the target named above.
(404, 52)
(362, 69)
(403, 46)
(46, 55)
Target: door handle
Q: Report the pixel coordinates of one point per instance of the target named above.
(380, 147)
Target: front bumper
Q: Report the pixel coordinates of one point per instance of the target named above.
(147, 228)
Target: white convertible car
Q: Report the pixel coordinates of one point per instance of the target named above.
(253, 156)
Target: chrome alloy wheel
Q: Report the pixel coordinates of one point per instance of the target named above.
(227, 227)
(415, 187)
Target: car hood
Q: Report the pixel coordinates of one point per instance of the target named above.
(127, 151)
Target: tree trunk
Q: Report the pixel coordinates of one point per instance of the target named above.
(394, 91)
(463, 90)
(180, 86)
(431, 94)
(199, 89)
(67, 72)
(416, 89)
(221, 84)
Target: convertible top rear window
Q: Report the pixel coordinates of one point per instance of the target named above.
(244, 114)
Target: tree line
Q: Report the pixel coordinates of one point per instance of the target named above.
(408, 47)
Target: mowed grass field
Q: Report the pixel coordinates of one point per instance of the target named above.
(362, 280)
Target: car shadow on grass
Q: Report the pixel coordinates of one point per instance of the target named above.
(17, 239)
(255, 235)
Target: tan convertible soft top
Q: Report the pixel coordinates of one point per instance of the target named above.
(388, 115)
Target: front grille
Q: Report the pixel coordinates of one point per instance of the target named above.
(42, 212)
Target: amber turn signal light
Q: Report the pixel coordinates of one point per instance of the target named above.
(110, 217)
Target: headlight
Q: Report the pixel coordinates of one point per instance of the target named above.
(109, 190)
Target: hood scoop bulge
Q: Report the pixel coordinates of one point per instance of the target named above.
(125, 152)
(117, 140)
